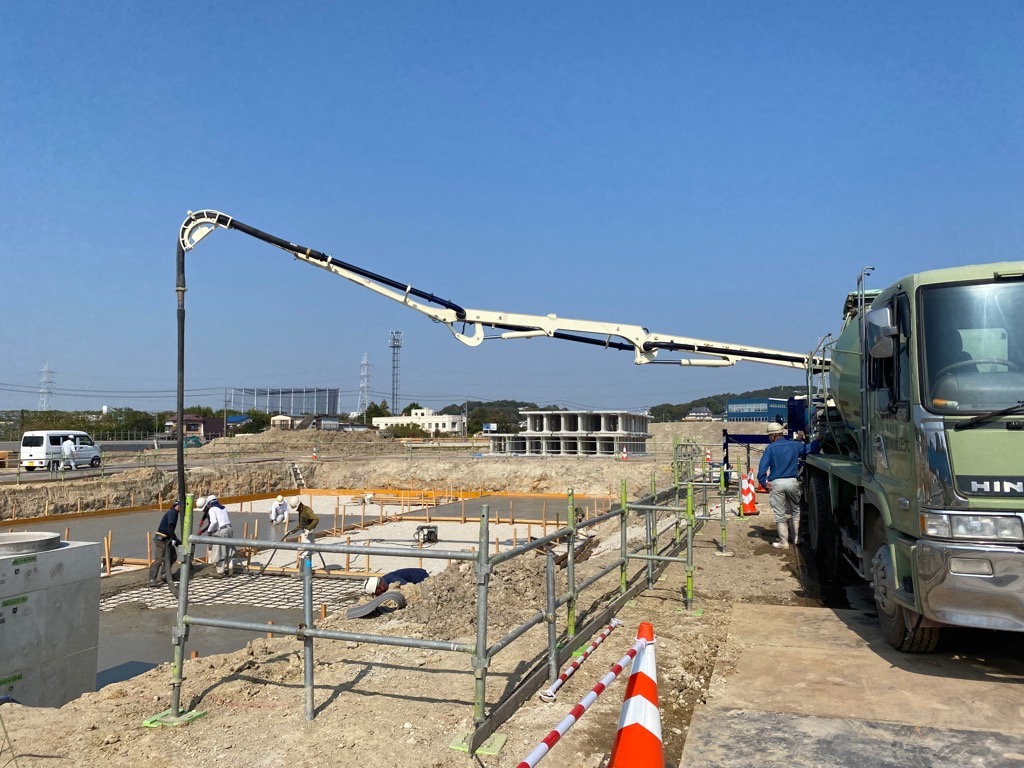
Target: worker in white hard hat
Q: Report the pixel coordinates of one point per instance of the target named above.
(777, 472)
(378, 585)
(278, 510)
(220, 525)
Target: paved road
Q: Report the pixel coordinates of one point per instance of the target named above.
(808, 686)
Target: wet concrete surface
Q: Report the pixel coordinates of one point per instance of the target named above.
(136, 622)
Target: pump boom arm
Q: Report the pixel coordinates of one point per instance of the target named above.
(470, 326)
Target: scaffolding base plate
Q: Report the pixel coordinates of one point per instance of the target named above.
(492, 746)
(166, 718)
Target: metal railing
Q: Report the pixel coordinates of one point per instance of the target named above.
(670, 510)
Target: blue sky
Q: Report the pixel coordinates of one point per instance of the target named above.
(716, 170)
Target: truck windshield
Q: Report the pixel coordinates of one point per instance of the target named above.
(972, 337)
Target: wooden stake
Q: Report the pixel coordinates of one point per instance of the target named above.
(270, 634)
(348, 540)
(323, 611)
(194, 655)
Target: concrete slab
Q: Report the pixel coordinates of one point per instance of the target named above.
(735, 738)
(813, 686)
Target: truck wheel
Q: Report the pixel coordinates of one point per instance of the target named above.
(900, 625)
(30, 469)
(94, 462)
(821, 528)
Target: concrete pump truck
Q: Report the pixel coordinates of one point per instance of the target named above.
(918, 404)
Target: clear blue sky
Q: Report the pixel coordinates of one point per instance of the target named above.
(717, 170)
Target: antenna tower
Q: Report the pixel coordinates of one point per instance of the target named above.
(396, 347)
(45, 386)
(364, 385)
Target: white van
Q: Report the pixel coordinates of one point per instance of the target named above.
(42, 448)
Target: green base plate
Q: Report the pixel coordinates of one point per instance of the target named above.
(165, 718)
(492, 746)
(697, 612)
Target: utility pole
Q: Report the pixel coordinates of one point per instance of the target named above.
(364, 387)
(396, 347)
(45, 386)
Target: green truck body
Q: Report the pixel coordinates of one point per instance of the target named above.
(919, 484)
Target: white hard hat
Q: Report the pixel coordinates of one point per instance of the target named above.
(293, 502)
(371, 585)
(212, 498)
(279, 499)
(774, 428)
(200, 503)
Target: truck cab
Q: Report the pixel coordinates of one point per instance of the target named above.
(920, 482)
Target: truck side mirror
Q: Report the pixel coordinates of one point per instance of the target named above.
(881, 332)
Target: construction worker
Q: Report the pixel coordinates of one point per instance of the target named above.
(166, 538)
(67, 452)
(307, 519)
(220, 525)
(378, 585)
(278, 510)
(777, 472)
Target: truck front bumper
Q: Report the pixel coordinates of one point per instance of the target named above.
(951, 596)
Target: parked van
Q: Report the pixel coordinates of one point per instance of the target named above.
(42, 448)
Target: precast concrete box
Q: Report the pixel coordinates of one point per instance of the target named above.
(49, 618)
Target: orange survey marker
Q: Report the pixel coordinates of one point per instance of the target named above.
(756, 486)
(638, 741)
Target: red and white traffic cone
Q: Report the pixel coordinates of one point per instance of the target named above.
(625, 456)
(314, 454)
(638, 741)
(748, 500)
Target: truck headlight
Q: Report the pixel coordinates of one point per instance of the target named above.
(974, 527)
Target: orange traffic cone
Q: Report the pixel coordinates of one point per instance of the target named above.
(314, 454)
(748, 499)
(638, 740)
(625, 456)
(707, 456)
(758, 488)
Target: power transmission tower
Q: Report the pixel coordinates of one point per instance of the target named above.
(45, 386)
(396, 347)
(364, 385)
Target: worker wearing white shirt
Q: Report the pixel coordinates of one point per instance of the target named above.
(67, 451)
(278, 510)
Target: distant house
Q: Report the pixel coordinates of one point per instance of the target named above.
(203, 427)
(281, 421)
(425, 419)
(237, 421)
(700, 413)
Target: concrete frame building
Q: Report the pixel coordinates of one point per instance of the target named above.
(576, 433)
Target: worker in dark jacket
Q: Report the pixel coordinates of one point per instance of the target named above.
(166, 538)
(777, 472)
(379, 585)
(307, 519)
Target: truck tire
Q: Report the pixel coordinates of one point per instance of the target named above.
(900, 625)
(821, 529)
(94, 462)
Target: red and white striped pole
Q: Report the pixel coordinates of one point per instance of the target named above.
(549, 694)
(576, 712)
(638, 741)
